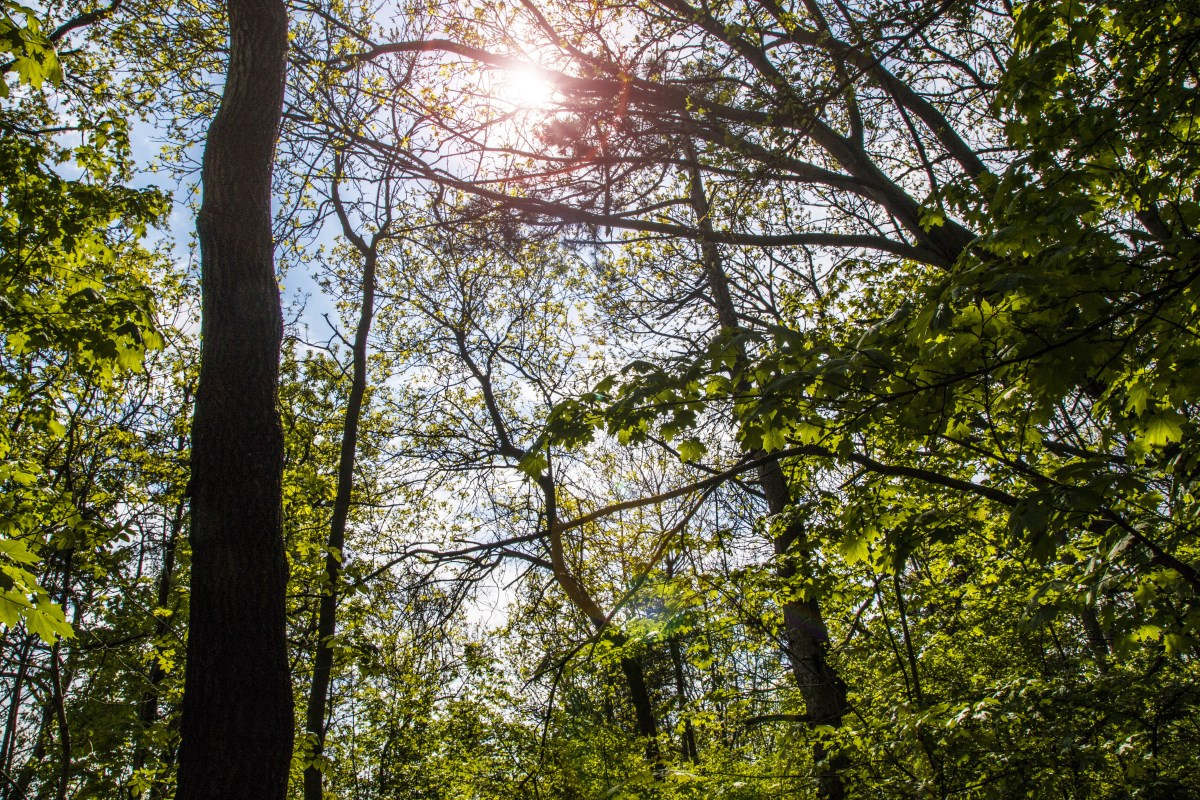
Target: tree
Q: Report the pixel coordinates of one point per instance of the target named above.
(498, 348)
(237, 709)
(366, 249)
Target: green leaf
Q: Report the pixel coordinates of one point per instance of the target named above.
(691, 450)
(533, 464)
(17, 551)
(856, 548)
(46, 621)
(1161, 429)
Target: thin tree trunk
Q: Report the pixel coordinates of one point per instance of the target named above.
(59, 682)
(807, 639)
(687, 741)
(1096, 638)
(148, 707)
(635, 676)
(237, 718)
(20, 787)
(318, 696)
(58, 701)
(805, 634)
(909, 652)
(575, 591)
(9, 744)
(643, 709)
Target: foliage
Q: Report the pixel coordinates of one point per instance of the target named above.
(77, 296)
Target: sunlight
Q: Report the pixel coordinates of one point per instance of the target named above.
(525, 87)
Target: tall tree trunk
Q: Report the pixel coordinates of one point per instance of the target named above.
(805, 635)
(58, 699)
(237, 720)
(687, 739)
(807, 638)
(60, 681)
(327, 613)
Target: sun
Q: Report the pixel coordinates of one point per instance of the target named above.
(525, 88)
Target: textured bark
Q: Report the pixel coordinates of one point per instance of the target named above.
(805, 633)
(237, 720)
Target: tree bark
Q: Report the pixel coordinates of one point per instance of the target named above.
(236, 725)
(807, 639)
